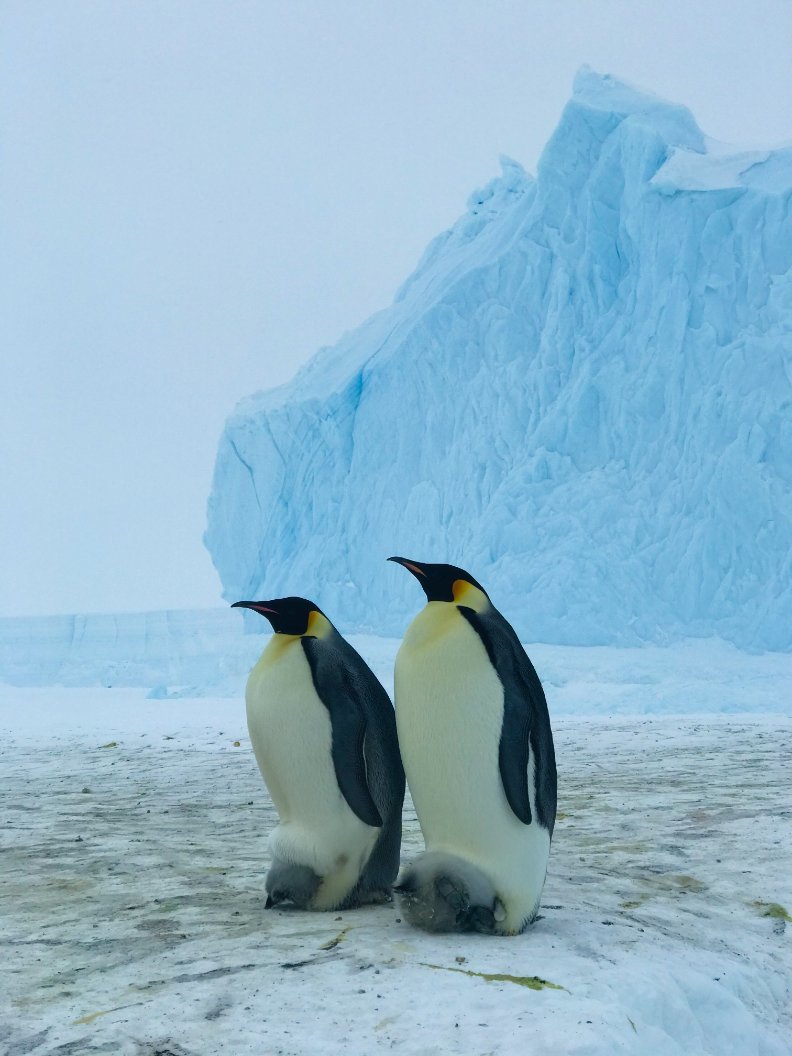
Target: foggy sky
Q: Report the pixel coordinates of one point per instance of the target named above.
(195, 196)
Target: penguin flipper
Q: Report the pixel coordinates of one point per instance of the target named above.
(339, 691)
(522, 692)
(513, 758)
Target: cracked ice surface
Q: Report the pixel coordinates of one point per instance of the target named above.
(134, 849)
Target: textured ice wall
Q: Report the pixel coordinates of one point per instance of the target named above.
(583, 394)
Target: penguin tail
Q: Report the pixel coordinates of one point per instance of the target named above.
(442, 892)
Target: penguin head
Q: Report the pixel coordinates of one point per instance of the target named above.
(294, 616)
(446, 583)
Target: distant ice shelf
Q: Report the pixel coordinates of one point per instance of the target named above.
(155, 650)
(583, 394)
(181, 655)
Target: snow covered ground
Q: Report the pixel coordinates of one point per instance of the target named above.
(133, 842)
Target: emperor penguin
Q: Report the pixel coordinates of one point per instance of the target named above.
(477, 747)
(324, 736)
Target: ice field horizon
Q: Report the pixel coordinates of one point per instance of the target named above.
(174, 654)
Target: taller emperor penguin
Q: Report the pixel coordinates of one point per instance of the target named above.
(324, 735)
(477, 747)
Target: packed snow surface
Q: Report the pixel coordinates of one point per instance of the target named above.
(583, 395)
(134, 853)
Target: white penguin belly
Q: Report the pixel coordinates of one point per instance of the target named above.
(291, 735)
(449, 714)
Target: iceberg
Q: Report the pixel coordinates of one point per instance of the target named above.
(583, 394)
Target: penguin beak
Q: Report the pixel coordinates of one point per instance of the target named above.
(411, 566)
(256, 606)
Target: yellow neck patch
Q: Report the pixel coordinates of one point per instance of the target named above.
(318, 625)
(466, 594)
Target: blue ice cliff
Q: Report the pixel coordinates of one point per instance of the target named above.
(583, 395)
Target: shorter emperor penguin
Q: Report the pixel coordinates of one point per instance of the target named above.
(477, 747)
(324, 735)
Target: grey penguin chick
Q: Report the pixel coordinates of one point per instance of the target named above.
(477, 747)
(324, 735)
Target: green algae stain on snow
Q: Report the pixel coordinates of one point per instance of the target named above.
(532, 982)
(332, 943)
(774, 910)
(663, 885)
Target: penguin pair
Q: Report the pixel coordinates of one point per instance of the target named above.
(471, 729)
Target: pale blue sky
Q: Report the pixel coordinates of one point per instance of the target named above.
(194, 196)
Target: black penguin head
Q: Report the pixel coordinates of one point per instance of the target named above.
(287, 615)
(441, 582)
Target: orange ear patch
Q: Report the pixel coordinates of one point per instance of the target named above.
(459, 588)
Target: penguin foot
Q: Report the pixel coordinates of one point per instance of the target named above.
(375, 897)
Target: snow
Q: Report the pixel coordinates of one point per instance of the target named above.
(134, 852)
(582, 395)
(722, 166)
(134, 849)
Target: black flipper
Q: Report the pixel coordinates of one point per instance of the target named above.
(513, 756)
(337, 688)
(526, 724)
